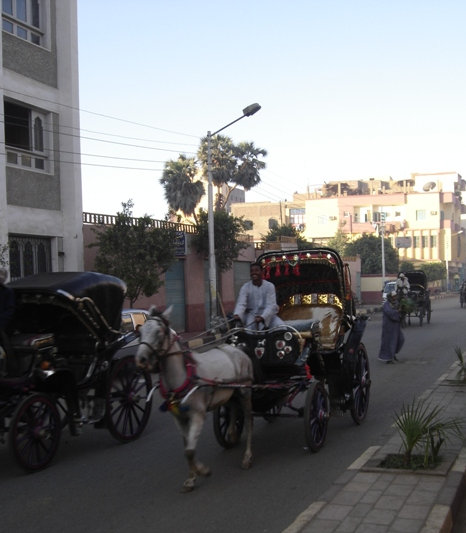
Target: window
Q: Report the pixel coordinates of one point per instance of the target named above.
(433, 241)
(415, 241)
(29, 255)
(424, 241)
(248, 224)
(22, 18)
(24, 136)
(297, 217)
(420, 214)
(273, 223)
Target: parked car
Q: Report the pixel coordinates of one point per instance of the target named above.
(131, 319)
(389, 287)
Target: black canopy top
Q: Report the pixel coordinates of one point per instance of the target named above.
(107, 292)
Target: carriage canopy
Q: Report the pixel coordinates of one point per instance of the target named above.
(92, 299)
(308, 276)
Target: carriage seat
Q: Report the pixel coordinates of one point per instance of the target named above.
(329, 316)
(24, 349)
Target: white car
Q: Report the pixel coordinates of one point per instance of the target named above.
(389, 287)
(131, 319)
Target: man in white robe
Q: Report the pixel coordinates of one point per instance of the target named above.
(256, 305)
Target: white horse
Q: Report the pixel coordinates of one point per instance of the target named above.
(194, 383)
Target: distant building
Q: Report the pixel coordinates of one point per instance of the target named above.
(422, 216)
(40, 177)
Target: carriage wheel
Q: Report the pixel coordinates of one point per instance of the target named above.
(361, 387)
(35, 430)
(127, 411)
(224, 416)
(316, 416)
(421, 316)
(429, 312)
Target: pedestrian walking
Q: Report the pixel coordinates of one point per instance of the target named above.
(392, 334)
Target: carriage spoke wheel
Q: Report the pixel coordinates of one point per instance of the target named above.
(228, 424)
(316, 416)
(127, 411)
(35, 430)
(361, 387)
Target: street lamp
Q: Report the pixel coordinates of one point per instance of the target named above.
(247, 112)
(448, 256)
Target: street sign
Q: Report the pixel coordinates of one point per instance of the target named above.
(403, 242)
(180, 244)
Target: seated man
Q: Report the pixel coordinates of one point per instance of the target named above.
(402, 285)
(257, 302)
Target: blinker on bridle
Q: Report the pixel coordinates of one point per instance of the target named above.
(166, 333)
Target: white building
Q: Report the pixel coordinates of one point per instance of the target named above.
(40, 176)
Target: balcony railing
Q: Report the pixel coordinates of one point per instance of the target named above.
(109, 220)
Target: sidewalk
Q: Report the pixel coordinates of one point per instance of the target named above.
(369, 499)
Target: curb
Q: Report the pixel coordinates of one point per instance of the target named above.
(368, 498)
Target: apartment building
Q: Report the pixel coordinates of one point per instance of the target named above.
(40, 177)
(421, 215)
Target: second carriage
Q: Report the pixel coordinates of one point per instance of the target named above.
(314, 365)
(417, 304)
(68, 364)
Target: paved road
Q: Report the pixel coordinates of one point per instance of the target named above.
(99, 486)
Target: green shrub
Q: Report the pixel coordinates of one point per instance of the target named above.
(422, 426)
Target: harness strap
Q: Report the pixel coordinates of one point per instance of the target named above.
(186, 386)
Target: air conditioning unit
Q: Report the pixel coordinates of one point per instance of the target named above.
(433, 212)
(332, 218)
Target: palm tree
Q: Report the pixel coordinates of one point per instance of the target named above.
(182, 190)
(248, 166)
(232, 165)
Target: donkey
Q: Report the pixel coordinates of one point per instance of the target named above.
(194, 383)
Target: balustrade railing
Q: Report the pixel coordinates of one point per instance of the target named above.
(109, 220)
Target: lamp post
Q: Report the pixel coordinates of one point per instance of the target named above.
(380, 227)
(448, 256)
(247, 112)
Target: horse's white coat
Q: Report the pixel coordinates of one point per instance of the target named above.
(222, 365)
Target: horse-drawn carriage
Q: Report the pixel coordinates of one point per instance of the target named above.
(312, 366)
(318, 350)
(417, 302)
(67, 364)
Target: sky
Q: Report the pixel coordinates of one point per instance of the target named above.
(348, 89)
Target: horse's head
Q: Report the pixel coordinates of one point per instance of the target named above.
(154, 337)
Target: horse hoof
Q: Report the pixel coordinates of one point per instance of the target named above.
(187, 487)
(246, 464)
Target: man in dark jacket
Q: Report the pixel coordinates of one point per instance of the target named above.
(7, 308)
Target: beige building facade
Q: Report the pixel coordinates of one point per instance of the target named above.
(40, 176)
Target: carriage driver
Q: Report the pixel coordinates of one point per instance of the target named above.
(257, 302)
(402, 284)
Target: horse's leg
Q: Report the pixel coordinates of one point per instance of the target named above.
(196, 422)
(246, 404)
